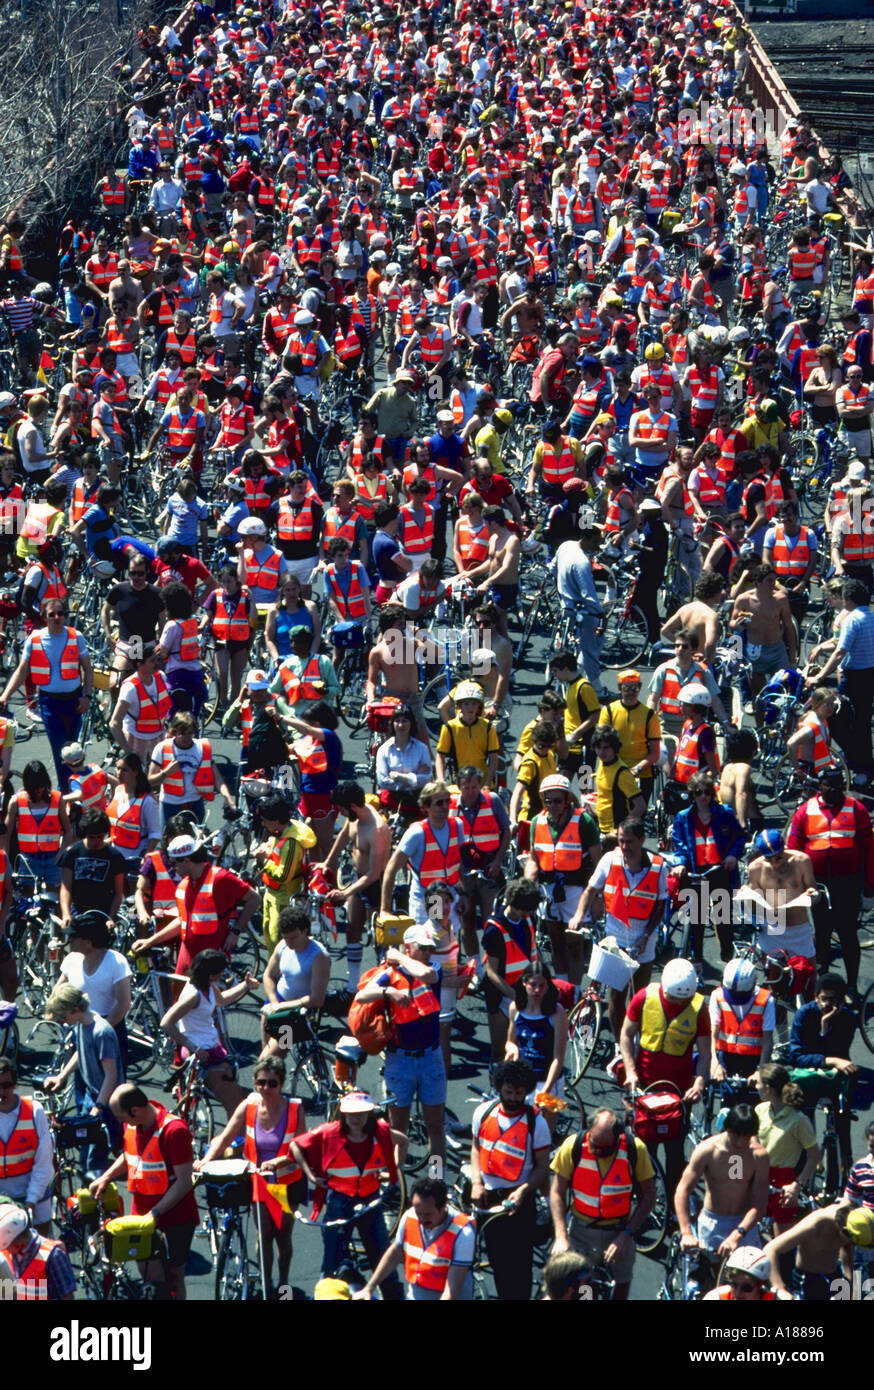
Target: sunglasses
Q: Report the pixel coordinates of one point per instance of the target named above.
(708, 795)
(271, 1084)
(743, 1288)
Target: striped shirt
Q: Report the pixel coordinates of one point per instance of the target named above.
(860, 1183)
(857, 638)
(20, 312)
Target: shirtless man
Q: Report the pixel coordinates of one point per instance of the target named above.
(528, 315)
(823, 1253)
(392, 669)
(734, 1168)
(492, 661)
(771, 637)
(368, 837)
(781, 876)
(498, 575)
(700, 615)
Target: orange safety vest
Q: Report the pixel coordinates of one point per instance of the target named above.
(473, 546)
(673, 684)
(420, 1000)
(295, 525)
(822, 835)
(189, 645)
(688, 754)
(32, 1286)
(516, 962)
(36, 521)
(344, 1175)
(154, 709)
(706, 849)
(311, 755)
(711, 491)
(416, 539)
(502, 1151)
(435, 864)
(649, 428)
(18, 1154)
(55, 586)
(613, 521)
(802, 264)
(164, 891)
(231, 623)
(744, 1038)
(92, 782)
(147, 1174)
(352, 604)
(629, 904)
(367, 507)
(669, 476)
(126, 824)
(204, 781)
(432, 346)
(203, 919)
(791, 562)
(858, 546)
(606, 1198)
(306, 686)
(485, 832)
(819, 729)
(704, 387)
(428, 1266)
(562, 855)
(39, 834)
(558, 467)
(294, 1125)
(255, 569)
(40, 666)
(182, 434)
(234, 421)
(337, 525)
(112, 193)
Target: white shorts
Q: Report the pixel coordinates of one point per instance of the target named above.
(308, 387)
(418, 561)
(302, 569)
(563, 912)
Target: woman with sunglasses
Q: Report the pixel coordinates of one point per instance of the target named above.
(291, 610)
(268, 1121)
(747, 1279)
(538, 1034)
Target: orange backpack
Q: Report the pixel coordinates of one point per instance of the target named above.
(370, 1024)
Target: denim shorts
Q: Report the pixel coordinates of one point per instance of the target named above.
(406, 1076)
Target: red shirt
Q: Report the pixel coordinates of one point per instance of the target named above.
(313, 1146)
(658, 1066)
(493, 495)
(857, 858)
(187, 571)
(228, 891)
(174, 1141)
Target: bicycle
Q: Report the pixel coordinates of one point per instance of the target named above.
(391, 1200)
(651, 1233)
(228, 1187)
(193, 1104)
(313, 1080)
(151, 989)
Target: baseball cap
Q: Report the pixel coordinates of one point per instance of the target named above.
(419, 936)
(630, 675)
(303, 317)
(768, 843)
(258, 680)
(181, 846)
(251, 526)
(6, 400)
(72, 753)
(556, 782)
(857, 470)
(468, 690)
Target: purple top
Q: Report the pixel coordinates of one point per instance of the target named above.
(269, 1141)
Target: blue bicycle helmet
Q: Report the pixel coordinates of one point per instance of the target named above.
(768, 843)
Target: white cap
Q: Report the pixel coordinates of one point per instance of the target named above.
(377, 242)
(378, 256)
(6, 399)
(446, 417)
(304, 317)
(181, 846)
(356, 1103)
(258, 680)
(737, 167)
(72, 753)
(468, 690)
(394, 269)
(694, 694)
(555, 782)
(14, 1221)
(419, 936)
(857, 471)
(252, 526)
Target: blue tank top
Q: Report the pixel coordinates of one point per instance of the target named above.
(296, 970)
(285, 621)
(535, 1040)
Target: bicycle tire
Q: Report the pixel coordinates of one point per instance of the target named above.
(436, 689)
(652, 1232)
(232, 1266)
(584, 1027)
(351, 701)
(626, 637)
(148, 1045)
(201, 1123)
(311, 1083)
(866, 1018)
(9, 1042)
(395, 1203)
(419, 1151)
(672, 1287)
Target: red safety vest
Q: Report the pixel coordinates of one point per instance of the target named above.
(822, 835)
(234, 423)
(744, 1038)
(558, 467)
(231, 620)
(40, 666)
(18, 1154)
(174, 784)
(704, 386)
(32, 1284)
(706, 849)
(203, 918)
(55, 586)
(147, 1173)
(294, 1125)
(154, 709)
(791, 562)
(367, 507)
(352, 604)
(627, 904)
(427, 1267)
(502, 1152)
(126, 824)
(606, 1198)
(420, 1000)
(344, 1175)
(711, 491)
(802, 264)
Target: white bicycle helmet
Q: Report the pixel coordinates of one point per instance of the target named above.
(251, 526)
(750, 1260)
(679, 980)
(14, 1221)
(740, 334)
(739, 976)
(468, 690)
(695, 694)
(555, 782)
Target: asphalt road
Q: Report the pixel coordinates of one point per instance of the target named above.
(470, 1048)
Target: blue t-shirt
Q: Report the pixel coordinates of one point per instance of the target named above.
(232, 516)
(122, 543)
(325, 781)
(422, 1032)
(98, 526)
(384, 549)
(185, 518)
(446, 452)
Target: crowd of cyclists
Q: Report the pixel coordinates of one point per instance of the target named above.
(462, 414)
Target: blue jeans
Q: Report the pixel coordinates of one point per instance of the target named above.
(374, 1238)
(44, 866)
(397, 444)
(62, 722)
(170, 809)
(590, 648)
(405, 1076)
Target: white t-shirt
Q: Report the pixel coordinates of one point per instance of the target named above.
(100, 984)
(189, 760)
(128, 694)
(625, 936)
(198, 1027)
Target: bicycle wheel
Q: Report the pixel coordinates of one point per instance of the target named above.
(436, 690)
(394, 1203)
(232, 1266)
(149, 1046)
(866, 1018)
(584, 1025)
(351, 704)
(625, 638)
(673, 1285)
(247, 954)
(419, 1150)
(201, 1122)
(652, 1232)
(311, 1082)
(9, 1042)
